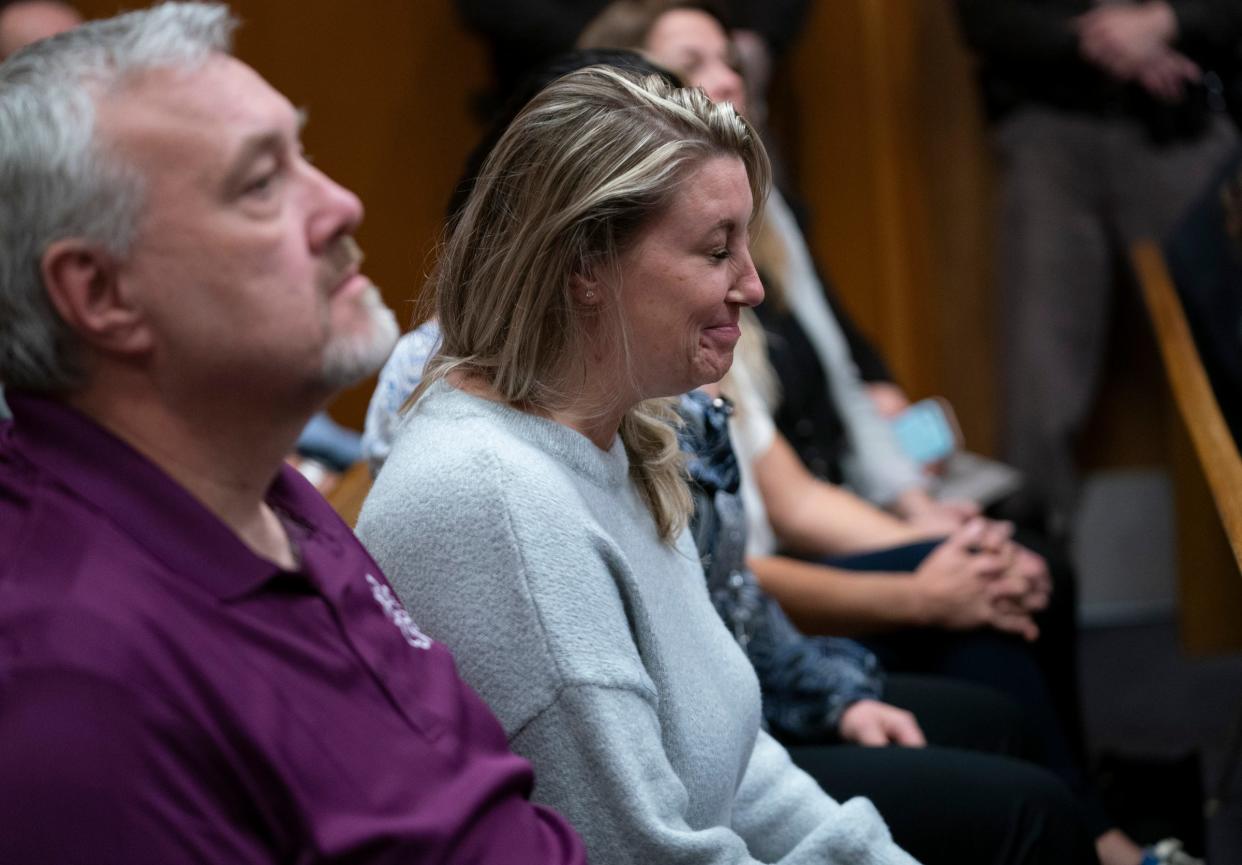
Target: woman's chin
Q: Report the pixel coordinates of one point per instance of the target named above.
(712, 370)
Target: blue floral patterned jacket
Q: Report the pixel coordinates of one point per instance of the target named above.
(807, 682)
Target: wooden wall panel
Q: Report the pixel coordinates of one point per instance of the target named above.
(889, 149)
(953, 154)
(387, 84)
(835, 152)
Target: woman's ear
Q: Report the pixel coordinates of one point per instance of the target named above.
(585, 288)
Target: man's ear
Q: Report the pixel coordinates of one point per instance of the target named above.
(83, 284)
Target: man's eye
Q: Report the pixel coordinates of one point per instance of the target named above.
(721, 254)
(261, 187)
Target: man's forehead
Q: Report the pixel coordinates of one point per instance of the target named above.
(221, 98)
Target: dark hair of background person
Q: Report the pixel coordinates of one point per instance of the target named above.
(522, 35)
(626, 61)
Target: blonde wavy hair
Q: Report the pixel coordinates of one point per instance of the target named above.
(590, 161)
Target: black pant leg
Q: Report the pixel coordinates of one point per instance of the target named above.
(959, 714)
(1056, 650)
(1007, 664)
(952, 807)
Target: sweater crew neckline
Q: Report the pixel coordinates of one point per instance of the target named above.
(605, 468)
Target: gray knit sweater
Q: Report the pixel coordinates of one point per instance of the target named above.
(527, 549)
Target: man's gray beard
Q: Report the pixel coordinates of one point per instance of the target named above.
(349, 358)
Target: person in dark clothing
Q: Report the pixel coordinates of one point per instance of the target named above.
(1108, 119)
(1142, 59)
(524, 35)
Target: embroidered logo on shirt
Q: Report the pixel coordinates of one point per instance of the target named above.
(396, 613)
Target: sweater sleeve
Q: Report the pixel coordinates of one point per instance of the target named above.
(442, 530)
(607, 741)
(777, 803)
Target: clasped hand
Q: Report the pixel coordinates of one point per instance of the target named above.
(1134, 43)
(979, 577)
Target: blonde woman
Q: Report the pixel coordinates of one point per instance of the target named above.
(690, 38)
(533, 508)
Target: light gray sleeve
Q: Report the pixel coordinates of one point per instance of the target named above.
(601, 763)
(785, 817)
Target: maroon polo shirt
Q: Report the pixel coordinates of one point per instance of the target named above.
(167, 696)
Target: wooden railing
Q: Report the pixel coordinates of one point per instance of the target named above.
(1213, 441)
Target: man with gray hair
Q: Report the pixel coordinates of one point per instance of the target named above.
(198, 661)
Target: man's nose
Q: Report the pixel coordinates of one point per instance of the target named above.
(337, 211)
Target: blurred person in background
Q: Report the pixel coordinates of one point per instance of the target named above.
(524, 35)
(1108, 118)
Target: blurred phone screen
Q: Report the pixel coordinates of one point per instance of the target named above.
(925, 432)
